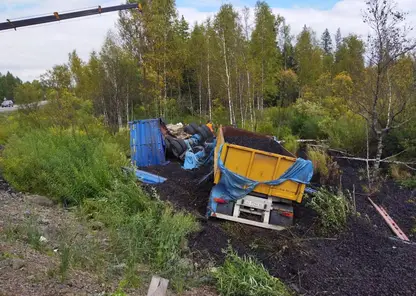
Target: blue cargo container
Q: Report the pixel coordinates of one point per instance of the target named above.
(147, 143)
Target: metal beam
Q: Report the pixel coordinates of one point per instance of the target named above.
(55, 17)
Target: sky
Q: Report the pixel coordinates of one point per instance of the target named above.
(29, 52)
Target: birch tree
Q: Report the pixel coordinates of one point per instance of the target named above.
(226, 27)
(384, 100)
(264, 52)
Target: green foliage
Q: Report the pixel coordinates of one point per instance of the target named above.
(319, 160)
(245, 277)
(409, 183)
(308, 56)
(8, 84)
(7, 127)
(332, 209)
(122, 138)
(291, 143)
(346, 132)
(219, 113)
(263, 50)
(28, 93)
(403, 176)
(67, 165)
(349, 56)
(327, 169)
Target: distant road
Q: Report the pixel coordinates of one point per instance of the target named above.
(16, 107)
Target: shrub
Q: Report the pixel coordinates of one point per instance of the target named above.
(67, 165)
(266, 128)
(323, 165)
(8, 126)
(291, 143)
(245, 277)
(346, 132)
(332, 209)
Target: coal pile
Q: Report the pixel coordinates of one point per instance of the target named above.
(264, 144)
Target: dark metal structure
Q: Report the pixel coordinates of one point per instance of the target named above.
(56, 17)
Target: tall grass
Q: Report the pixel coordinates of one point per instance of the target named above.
(67, 165)
(144, 230)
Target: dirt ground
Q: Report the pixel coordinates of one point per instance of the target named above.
(362, 260)
(31, 267)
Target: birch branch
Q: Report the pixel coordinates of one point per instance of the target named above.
(407, 164)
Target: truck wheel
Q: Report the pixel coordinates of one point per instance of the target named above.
(194, 126)
(176, 147)
(182, 143)
(202, 132)
(167, 144)
(226, 209)
(190, 130)
(208, 133)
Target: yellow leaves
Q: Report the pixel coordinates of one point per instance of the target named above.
(343, 85)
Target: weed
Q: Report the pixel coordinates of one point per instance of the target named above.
(27, 231)
(143, 230)
(332, 209)
(409, 183)
(65, 260)
(32, 234)
(11, 232)
(244, 276)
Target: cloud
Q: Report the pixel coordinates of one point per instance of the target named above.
(29, 52)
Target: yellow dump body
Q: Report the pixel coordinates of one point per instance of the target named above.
(256, 165)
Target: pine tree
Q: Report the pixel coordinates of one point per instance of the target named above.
(326, 42)
(328, 58)
(338, 38)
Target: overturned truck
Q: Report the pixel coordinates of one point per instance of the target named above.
(257, 180)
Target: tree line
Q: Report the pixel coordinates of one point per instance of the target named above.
(8, 84)
(252, 74)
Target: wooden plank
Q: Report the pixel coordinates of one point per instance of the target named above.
(390, 222)
(158, 286)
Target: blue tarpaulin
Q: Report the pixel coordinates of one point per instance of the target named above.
(149, 178)
(201, 158)
(232, 186)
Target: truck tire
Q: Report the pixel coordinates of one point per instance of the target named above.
(209, 135)
(177, 148)
(202, 132)
(167, 144)
(189, 130)
(183, 144)
(194, 126)
(226, 209)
